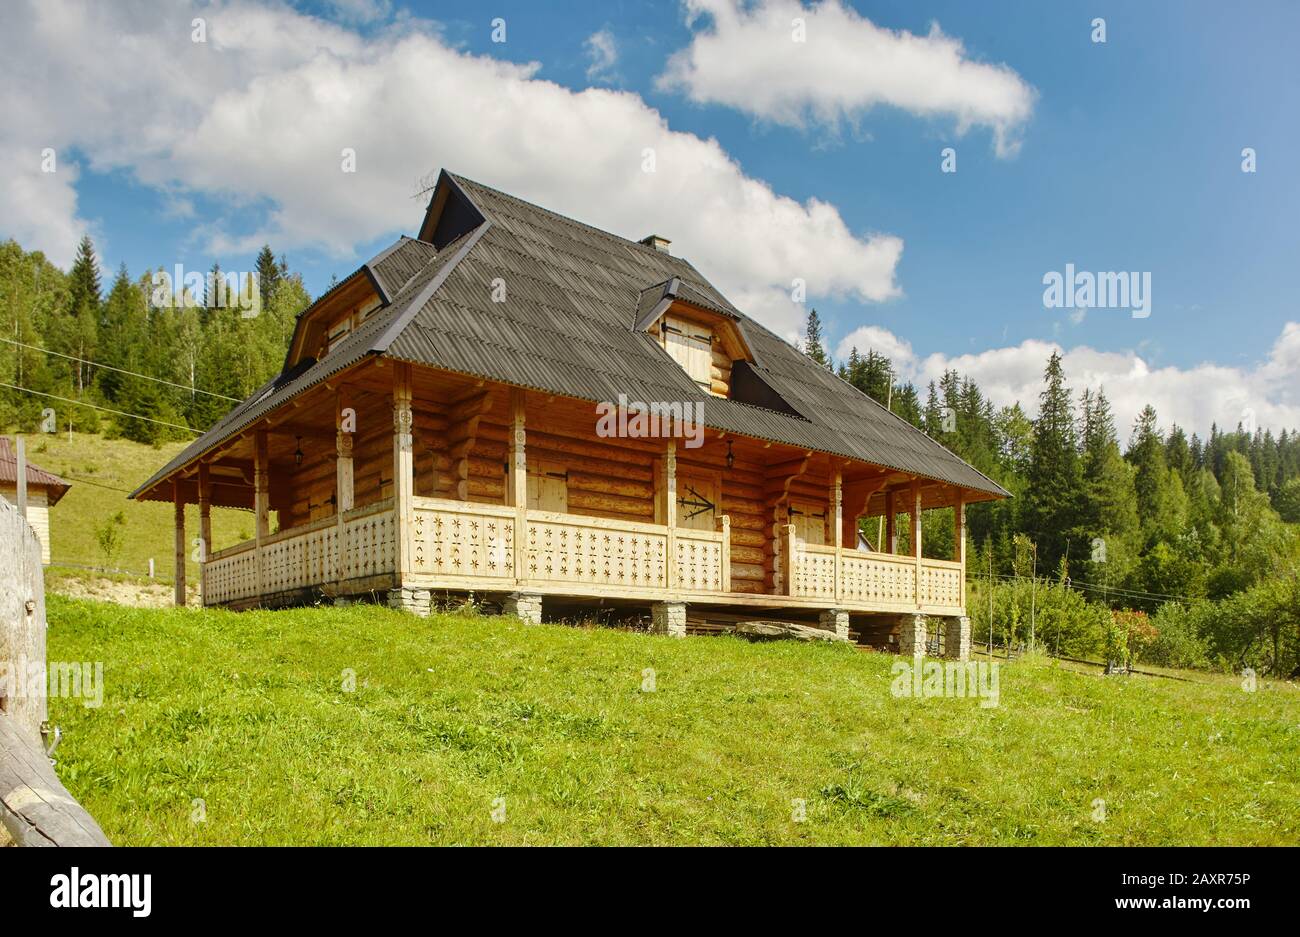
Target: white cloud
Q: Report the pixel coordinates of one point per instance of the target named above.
(748, 58)
(602, 50)
(38, 209)
(1193, 397)
(261, 112)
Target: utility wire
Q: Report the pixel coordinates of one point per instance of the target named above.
(82, 403)
(1114, 590)
(109, 367)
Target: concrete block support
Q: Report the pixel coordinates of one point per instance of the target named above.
(668, 618)
(524, 605)
(834, 619)
(956, 638)
(911, 635)
(416, 601)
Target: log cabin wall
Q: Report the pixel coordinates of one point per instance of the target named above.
(461, 434)
(611, 478)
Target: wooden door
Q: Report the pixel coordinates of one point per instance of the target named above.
(548, 487)
(809, 520)
(697, 502)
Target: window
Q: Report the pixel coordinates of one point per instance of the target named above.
(336, 333)
(691, 346)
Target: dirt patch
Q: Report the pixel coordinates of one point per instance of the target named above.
(136, 594)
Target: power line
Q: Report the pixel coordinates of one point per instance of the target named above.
(109, 367)
(82, 403)
(1097, 587)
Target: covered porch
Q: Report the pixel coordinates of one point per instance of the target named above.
(407, 481)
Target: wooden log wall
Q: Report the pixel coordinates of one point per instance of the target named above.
(609, 478)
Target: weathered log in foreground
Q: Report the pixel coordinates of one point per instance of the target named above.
(35, 808)
(783, 630)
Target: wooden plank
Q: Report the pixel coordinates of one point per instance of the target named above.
(21, 475)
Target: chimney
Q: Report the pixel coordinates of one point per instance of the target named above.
(658, 243)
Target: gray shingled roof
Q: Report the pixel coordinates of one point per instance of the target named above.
(573, 295)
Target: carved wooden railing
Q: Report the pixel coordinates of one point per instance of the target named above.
(315, 554)
(463, 544)
(871, 581)
(459, 541)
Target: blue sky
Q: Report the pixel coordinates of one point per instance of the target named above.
(1129, 159)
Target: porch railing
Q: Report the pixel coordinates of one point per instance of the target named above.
(306, 556)
(877, 581)
(483, 545)
(458, 544)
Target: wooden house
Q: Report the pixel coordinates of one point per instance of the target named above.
(514, 404)
(44, 490)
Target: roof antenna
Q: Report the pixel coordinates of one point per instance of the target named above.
(426, 184)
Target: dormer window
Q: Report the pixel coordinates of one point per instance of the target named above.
(355, 317)
(691, 346)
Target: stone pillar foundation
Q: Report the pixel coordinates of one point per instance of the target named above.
(416, 601)
(836, 620)
(526, 606)
(668, 618)
(956, 638)
(911, 635)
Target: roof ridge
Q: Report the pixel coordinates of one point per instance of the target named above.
(463, 180)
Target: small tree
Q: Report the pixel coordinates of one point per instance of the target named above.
(109, 537)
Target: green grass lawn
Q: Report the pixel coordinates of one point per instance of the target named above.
(458, 715)
(101, 472)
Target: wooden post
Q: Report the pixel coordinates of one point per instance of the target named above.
(20, 475)
(959, 542)
(345, 424)
(837, 521)
(670, 512)
(517, 481)
(178, 501)
(891, 531)
(789, 548)
(403, 469)
(35, 808)
(205, 528)
(724, 524)
(916, 536)
(261, 502)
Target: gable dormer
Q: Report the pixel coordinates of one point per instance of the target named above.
(333, 317)
(705, 342)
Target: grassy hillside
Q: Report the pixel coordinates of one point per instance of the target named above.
(101, 472)
(251, 714)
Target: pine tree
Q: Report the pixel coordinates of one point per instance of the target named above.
(812, 345)
(81, 329)
(268, 274)
(1054, 483)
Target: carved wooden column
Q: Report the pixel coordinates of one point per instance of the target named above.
(891, 531)
(959, 541)
(261, 503)
(837, 521)
(205, 528)
(517, 482)
(178, 501)
(916, 536)
(670, 512)
(403, 470)
(345, 424)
